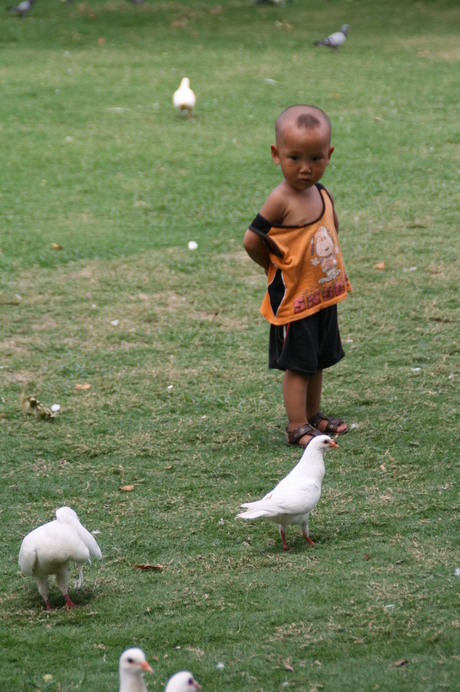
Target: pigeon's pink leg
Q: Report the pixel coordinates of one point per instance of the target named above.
(307, 537)
(69, 603)
(47, 605)
(283, 538)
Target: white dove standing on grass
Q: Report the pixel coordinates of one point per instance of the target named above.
(183, 98)
(336, 39)
(50, 548)
(182, 682)
(292, 500)
(133, 665)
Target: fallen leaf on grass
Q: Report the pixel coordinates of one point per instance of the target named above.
(379, 265)
(287, 666)
(56, 246)
(82, 387)
(32, 405)
(126, 488)
(401, 663)
(155, 568)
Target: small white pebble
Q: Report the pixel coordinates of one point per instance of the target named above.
(220, 665)
(55, 408)
(170, 386)
(115, 323)
(192, 245)
(457, 571)
(353, 426)
(416, 369)
(390, 606)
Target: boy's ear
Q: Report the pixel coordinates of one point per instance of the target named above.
(275, 154)
(331, 149)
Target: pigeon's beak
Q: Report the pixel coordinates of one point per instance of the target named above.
(333, 444)
(145, 666)
(196, 685)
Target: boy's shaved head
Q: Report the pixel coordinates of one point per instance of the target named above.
(302, 116)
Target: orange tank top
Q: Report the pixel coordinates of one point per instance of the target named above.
(306, 272)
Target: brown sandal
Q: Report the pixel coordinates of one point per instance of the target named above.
(332, 424)
(293, 436)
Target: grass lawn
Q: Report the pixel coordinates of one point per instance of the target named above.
(181, 406)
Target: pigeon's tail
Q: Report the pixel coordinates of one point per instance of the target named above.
(253, 511)
(27, 558)
(250, 514)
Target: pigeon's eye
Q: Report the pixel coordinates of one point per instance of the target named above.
(190, 681)
(130, 660)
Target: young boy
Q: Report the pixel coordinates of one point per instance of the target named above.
(294, 239)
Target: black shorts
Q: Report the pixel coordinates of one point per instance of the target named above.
(307, 345)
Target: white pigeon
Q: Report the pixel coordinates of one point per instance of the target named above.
(49, 548)
(182, 682)
(291, 501)
(336, 39)
(133, 665)
(183, 98)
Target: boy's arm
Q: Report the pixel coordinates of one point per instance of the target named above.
(256, 249)
(254, 244)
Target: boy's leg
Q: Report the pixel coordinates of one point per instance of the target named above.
(295, 392)
(315, 384)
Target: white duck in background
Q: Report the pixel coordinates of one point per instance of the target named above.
(336, 39)
(50, 548)
(183, 98)
(133, 665)
(182, 682)
(291, 501)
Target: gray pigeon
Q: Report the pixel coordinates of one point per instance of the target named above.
(336, 39)
(22, 9)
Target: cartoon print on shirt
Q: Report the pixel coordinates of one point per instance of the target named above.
(323, 245)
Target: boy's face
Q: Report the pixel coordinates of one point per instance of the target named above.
(303, 154)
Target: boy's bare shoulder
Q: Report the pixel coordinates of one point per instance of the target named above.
(274, 207)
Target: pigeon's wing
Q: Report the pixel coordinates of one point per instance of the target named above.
(299, 498)
(66, 515)
(283, 500)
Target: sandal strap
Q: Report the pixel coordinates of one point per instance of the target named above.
(332, 424)
(293, 436)
(314, 420)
